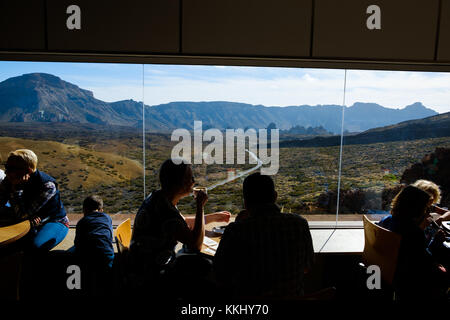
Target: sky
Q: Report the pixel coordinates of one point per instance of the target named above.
(254, 85)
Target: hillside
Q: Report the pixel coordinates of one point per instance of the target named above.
(431, 127)
(40, 97)
(74, 166)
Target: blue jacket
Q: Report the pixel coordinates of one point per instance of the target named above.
(54, 208)
(93, 239)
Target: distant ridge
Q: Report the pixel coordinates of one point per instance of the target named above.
(430, 127)
(41, 97)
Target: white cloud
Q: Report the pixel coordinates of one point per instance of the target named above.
(278, 91)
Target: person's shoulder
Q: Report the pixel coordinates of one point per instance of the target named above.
(101, 216)
(242, 227)
(155, 200)
(107, 217)
(294, 218)
(45, 177)
(386, 222)
(81, 222)
(234, 227)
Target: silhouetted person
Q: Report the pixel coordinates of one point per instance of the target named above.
(418, 276)
(434, 236)
(266, 252)
(93, 246)
(159, 225)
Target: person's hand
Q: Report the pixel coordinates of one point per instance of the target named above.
(35, 221)
(222, 216)
(442, 268)
(201, 198)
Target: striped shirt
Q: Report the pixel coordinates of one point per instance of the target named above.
(265, 254)
(26, 210)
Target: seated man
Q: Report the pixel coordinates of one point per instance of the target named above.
(159, 226)
(27, 193)
(265, 253)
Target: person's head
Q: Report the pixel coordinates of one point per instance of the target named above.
(429, 187)
(411, 204)
(92, 203)
(20, 165)
(176, 177)
(258, 190)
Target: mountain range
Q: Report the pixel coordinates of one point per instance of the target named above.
(41, 97)
(430, 127)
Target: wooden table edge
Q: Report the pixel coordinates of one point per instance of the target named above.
(27, 227)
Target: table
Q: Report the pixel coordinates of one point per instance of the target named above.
(14, 232)
(339, 241)
(208, 247)
(446, 225)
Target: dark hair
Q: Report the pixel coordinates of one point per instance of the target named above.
(92, 203)
(171, 173)
(258, 189)
(410, 203)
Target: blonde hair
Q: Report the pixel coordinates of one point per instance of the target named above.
(26, 156)
(430, 187)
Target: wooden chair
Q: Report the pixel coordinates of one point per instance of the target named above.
(381, 248)
(123, 236)
(121, 264)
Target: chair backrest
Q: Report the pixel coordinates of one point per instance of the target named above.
(123, 236)
(381, 248)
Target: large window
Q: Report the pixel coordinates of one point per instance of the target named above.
(339, 142)
(392, 151)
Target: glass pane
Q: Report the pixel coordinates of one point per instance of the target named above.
(305, 105)
(79, 120)
(403, 136)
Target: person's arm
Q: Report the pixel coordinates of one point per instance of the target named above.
(445, 214)
(193, 238)
(221, 216)
(30, 210)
